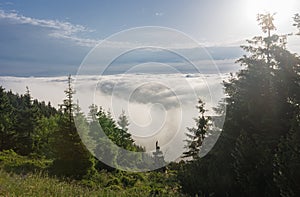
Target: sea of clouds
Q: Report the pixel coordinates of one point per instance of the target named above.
(159, 106)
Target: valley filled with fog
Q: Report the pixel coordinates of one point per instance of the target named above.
(159, 106)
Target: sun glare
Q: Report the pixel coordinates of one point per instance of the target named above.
(283, 8)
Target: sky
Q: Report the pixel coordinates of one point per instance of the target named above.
(153, 59)
(52, 38)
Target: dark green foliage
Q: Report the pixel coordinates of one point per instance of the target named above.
(95, 131)
(256, 154)
(258, 111)
(106, 151)
(196, 135)
(249, 167)
(72, 159)
(83, 128)
(287, 156)
(123, 121)
(287, 162)
(54, 146)
(108, 136)
(6, 124)
(12, 162)
(268, 82)
(195, 176)
(24, 125)
(119, 136)
(20, 121)
(44, 135)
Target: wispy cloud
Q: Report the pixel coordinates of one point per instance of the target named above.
(159, 14)
(23, 51)
(58, 29)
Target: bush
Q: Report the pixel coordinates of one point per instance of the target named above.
(12, 162)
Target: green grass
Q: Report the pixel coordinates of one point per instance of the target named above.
(39, 184)
(28, 176)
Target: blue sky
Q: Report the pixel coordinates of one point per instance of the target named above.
(50, 39)
(46, 38)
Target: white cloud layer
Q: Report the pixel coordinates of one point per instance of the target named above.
(159, 106)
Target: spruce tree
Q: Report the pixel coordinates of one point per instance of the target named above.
(287, 157)
(72, 159)
(6, 124)
(24, 124)
(195, 176)
(83, 129)
(95, 130)
(261, 95)
(262, 104)
(197, 134)
(123, 121)
(44, 135)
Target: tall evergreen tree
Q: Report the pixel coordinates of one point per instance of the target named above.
(111, 129)
(123, 121)
(83, 128)
(125, 137)
(287, 162)
(44, 135)
(6, 124)
(287, 156)
(261, 100)
(95, 130)
(24, 124)
(72, 159)
(196, 175)
(196, 135)
(262, 91)
(115, 135)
